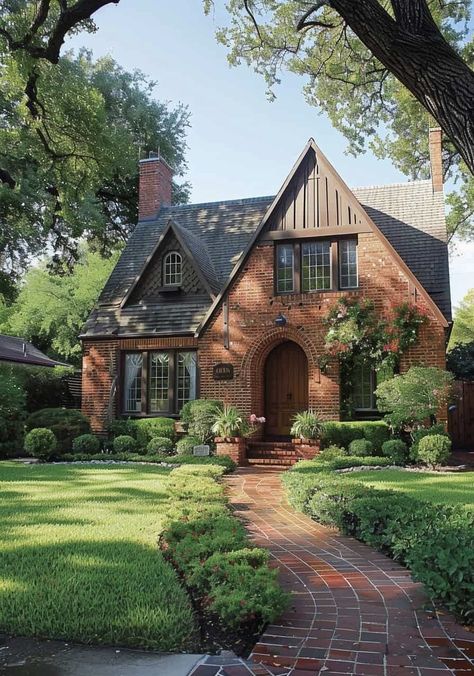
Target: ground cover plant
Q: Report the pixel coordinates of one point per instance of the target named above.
(436, 543)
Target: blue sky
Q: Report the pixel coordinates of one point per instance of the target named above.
(240, 145)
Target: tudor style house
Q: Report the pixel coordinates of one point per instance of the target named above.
(227, 299)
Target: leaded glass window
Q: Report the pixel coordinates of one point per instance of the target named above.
(159, 382)
(133, 382)
(173, 274)
(285, 268)
(363, 387)
(315, 266)
(348, 264)
(186, 378)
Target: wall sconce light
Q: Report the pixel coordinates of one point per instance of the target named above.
(280, 320)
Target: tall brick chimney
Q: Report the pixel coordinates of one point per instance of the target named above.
(155, 185)
(436, 159)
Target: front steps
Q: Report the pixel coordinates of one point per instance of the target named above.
(272, 453)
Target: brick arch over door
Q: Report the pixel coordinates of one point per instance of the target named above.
(252, 371)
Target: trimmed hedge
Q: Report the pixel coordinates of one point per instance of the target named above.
(148, 428)
(342, 433)
(159, 445)
(86, 443)
(66, 425)
(125, 444)
(361, 447)
(40, 443)
(228, 580)
(222, 460)
(436, 544)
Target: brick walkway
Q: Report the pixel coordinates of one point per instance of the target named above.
(353, 611)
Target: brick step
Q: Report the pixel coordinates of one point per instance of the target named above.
(287, 462)
(271, 453)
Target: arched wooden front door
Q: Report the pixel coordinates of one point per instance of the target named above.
(286, 388)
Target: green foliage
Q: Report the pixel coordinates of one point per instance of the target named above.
(460, 361)
(306, 425)
(418, 434)
(229, 422)
(148, 428)
(434, 449)
(125, 444)
(396, 450)
(186, 444)
(40, 443)
(199, 417)
(71, 151)
(436, 544)
(463, 327)
(331, 453)
(51, 309)
(12, 412)
(414, 396)
(86, 443)
(120, 426)
(342, 433)
(188, 460)
(160, 445)
(367, 104)
(361, 447)
(66, 424)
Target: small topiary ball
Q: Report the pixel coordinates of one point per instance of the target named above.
(396, 449)
(186, 444)
(86, 443)
(434, 449)
(160, 445)
(361, 447)
(40, 443)
(125, 444)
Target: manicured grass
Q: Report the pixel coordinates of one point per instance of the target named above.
(79, 557)
(437, 487)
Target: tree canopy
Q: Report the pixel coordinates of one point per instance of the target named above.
(463, 327)
(382, 70)
(51, 309)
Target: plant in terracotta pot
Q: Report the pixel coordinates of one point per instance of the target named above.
(306, 430)
(230, 428)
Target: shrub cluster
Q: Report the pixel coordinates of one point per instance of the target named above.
(342, 433)
(211, 551)
(199, 416)
(436, 544)
(66, 425)
(222, 460)
(148, 428)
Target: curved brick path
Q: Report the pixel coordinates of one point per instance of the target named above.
(353, 611)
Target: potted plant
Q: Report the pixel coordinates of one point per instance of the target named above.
(230, 428)
(306, 431)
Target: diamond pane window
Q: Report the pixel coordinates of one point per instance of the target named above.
(133, 382)
(173, 274)
(285, 268)
(159, 382)
(348, 278)
(316, 266)
(186, 378)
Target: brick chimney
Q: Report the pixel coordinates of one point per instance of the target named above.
(436, 159)
(155, 185)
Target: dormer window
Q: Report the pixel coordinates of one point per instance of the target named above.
(172, 269)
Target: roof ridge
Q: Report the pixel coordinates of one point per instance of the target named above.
(404, 184)
(238, 200)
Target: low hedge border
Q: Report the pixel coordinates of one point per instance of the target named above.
(234, 592)
(437, 544)
(222, 460)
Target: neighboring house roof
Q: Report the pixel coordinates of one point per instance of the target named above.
(217, 234)
(19, 351)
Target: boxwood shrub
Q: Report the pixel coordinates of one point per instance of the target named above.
(437, 544)
(86, 443)
(361, 447)
(186, 444)
(396, 449)
(66, 424)
(160, 445)
(40, 443)
(342, 433)
(147, 428)
(125, 444)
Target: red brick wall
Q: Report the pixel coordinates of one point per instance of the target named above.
(155, 186)
(253, 334)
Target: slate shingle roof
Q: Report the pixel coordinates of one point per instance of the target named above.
(410, 215)
(17, 350)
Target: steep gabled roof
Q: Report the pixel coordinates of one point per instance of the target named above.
(17, 350)
(408, 217)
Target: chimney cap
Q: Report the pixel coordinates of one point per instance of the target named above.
(154, 156)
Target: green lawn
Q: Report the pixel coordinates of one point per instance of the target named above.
(433, 486)
(79, 557)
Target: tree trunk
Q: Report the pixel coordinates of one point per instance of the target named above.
(413, 49)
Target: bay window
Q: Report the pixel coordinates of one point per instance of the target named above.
(158, 382)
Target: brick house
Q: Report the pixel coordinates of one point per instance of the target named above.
(226, 299)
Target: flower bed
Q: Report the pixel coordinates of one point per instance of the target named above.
(437, 544)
